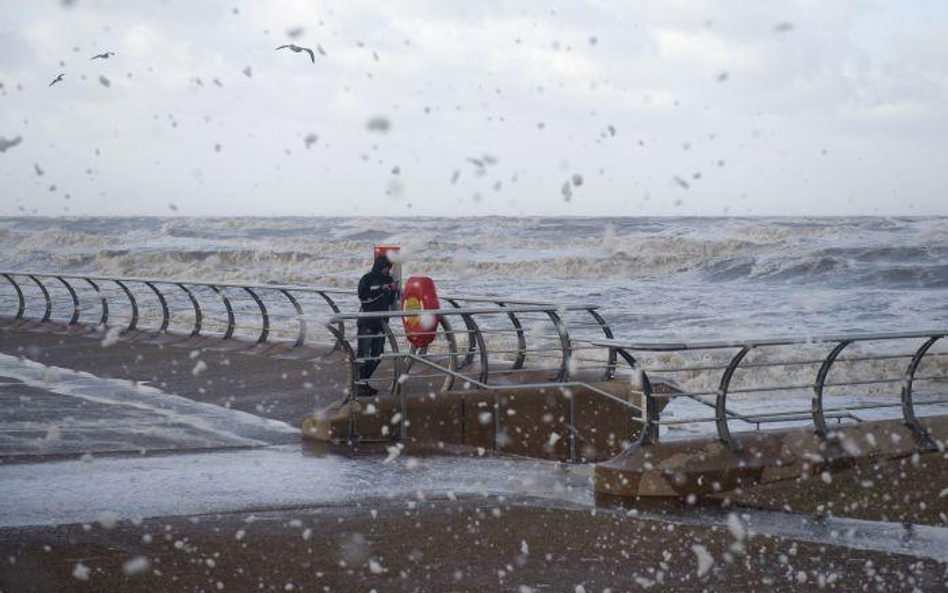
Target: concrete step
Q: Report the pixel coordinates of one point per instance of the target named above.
(532, 422)
(708, 466)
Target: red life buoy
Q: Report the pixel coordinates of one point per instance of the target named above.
(419, 294)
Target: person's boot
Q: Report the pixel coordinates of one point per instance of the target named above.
(365, 390)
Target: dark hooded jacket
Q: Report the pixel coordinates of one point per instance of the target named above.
(371, 294)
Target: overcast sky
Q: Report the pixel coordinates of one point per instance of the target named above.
(566, 107)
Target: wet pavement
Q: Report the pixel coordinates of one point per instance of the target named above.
(290, 476)
(111, 483)
(77, 491)
(50, 411)
(269, 381)
(478, 543)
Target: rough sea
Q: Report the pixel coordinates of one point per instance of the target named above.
(655, 278)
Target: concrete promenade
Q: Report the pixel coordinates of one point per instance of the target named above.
(271, 381)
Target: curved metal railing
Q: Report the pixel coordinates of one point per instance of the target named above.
(509, 347)
(266, 313)
(539, 339)
(257, 312)
(859, 381)
(581, 319)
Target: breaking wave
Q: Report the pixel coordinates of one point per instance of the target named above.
(657, 274)
(879, 253)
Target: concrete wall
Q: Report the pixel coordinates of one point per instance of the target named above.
(533, 422)
(708, 466)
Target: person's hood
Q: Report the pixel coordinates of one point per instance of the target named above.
(381, 263)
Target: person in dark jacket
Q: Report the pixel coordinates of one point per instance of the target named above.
(377, 292)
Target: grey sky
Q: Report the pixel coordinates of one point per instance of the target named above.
(768, 107)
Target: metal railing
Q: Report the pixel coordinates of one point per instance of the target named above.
(499, 344)
(688, 363)
(510, 346)
(484, 342)
(262, 312)
(587, 317)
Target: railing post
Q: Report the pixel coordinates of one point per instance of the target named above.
(720, 405)
(472, 331)
(413, 352)
(498, 428)
(816, 403)
(301, 336)
(133, 322)
(396, 361)
(649, 433)
(448, 384)
(475, 343)
(571, 421)
(75, 300)
(264, 316)
(165, 313)
(521, 337)
(351, 374)
(402, 400)
(610, 373)
(565, 346)
(49, 301)
(483, 357)
(198, 317)
(908, 406)
(231, 319)
(21, 302)
(103, 301)
(335, 310)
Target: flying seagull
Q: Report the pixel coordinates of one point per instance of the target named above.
(57, 79)
(103, 56)
(5, 144)
(298, 49)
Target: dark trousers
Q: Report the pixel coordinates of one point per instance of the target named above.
(371, 344)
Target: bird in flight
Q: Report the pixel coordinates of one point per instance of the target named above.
(297, 49)
(103, 56)
(57, 79)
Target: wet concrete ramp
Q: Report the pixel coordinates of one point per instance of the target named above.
(267, 381)
(52, 411)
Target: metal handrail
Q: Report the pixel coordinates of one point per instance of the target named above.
(516, 321)
(781, 341)
(817, 412)
(208, 283)
(526, 302)
(490, 372)
(274, 286)
(800, 362)
(561, 346)
(462, 311)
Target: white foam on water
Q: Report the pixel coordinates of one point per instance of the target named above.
(287, 477)
(273, 477)
(923, 541)
(662, 277)
(137, 408)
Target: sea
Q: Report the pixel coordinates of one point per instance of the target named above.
(654, 278)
